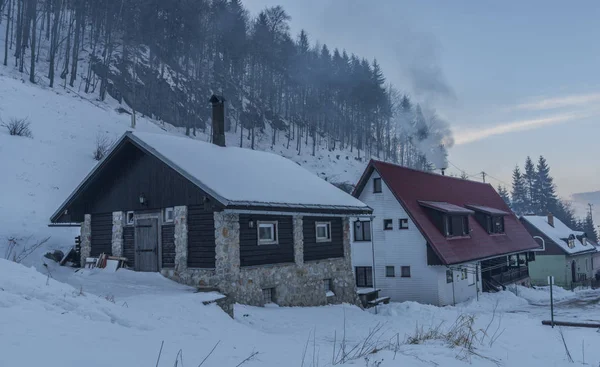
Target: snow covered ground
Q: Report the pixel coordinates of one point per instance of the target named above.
(99, 318)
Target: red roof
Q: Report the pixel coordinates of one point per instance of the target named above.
(412, 188)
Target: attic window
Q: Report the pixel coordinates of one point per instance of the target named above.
(496, 224)
(267, 233)
(377, 185)
(388, 224)
(323, 231)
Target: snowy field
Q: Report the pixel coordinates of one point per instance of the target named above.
(98, 318)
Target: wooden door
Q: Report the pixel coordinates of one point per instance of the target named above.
(146, 244)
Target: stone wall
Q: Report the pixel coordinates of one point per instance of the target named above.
(181, 239)
(117, 234)
(298, 284)
(86, 238)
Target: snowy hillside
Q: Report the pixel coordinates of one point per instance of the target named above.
(101, 318)
(39, 173)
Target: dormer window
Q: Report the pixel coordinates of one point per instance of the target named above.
(452, 220)
(456, 225)
(571, 241)
(491, 219)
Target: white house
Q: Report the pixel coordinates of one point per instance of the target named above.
(435, 239)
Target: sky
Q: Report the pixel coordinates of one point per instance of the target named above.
(513, 78)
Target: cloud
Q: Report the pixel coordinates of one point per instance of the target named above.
(559, 102)
(469, 136)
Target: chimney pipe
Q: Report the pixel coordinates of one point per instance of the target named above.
(551, 219)
(443, 171)
(218, 120)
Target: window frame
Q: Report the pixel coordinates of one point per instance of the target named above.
(385, 224)
(268, 293)
(132, 221)
(327, 229)
(364, 270)
(362, 231)
(493, 229)
(403, 223)
(377, 190)
(470, 278)
(449, 276)
(402, 271)
(270, 223)
(449, 225)
(387, 271)
(165, 216)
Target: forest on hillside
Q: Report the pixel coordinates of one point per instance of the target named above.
(164, 58)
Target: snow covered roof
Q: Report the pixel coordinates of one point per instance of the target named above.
(487, 210)
(560, 233)
(445, 207)
(238, 176)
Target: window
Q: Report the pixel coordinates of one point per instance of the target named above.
(449, 276)
(471, 277)
(496, 225)
(405, 271)
(328, 288)
(267, 233)
(463, 274)
(390, 271)
(571, 241)
(387, 224)
(362, 231)
(457, 225)
(323, 231)
(364, 276)
(268, 295)
(130, 218)
(377, 185)
(404, 223)
(169, 215)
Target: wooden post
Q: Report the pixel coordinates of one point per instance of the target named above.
(551, 282)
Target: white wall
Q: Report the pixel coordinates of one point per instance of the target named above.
(396, 247)
(459, 290)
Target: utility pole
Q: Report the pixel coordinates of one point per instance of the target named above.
(483, 175)
(590, 205)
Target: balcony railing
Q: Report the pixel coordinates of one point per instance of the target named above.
(512, 275)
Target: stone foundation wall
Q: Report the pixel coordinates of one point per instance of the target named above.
(298, 284)
(181, 238)
(86, 238)
(117, 234)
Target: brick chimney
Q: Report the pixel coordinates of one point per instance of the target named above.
(551, 219)
(218, 120)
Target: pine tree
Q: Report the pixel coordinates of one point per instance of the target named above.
(565, 213)
(530, 176)
(544, 189)
(519, 193)
(503, 192)
(589, 228)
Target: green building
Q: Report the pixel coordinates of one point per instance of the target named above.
(568, 255)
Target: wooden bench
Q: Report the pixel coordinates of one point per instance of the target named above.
(377, 301)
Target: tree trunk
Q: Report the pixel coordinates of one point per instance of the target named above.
(33, 20)
(75, 56)
(8, 21)
(54, 42)
(19, 32)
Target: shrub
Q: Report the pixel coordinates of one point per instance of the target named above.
(103, 143)
(19, 127)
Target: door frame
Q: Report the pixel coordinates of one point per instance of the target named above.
(159, 223)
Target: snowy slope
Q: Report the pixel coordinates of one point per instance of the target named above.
(100, 318)
(38, 174)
